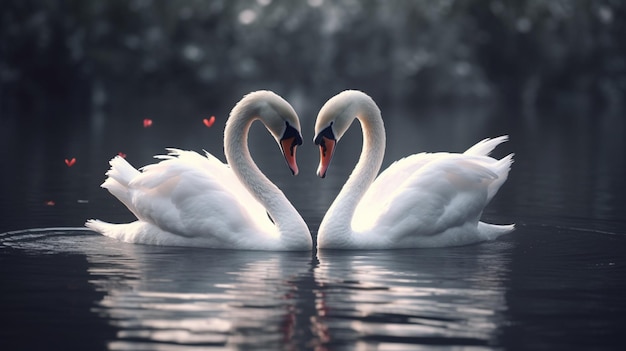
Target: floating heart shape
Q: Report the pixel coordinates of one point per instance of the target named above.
(121, 154)
(147, 122)
(71, 162)
(209, 121)
(50, 203)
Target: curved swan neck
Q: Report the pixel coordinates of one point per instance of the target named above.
(290, 224)
(339, 216)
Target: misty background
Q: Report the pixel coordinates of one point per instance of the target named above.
(77, 78)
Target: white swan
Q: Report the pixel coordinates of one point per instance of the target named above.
(191, 200)
(424, 200)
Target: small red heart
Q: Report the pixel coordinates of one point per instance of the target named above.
(121, 154)
(147, 122)
(209, 121)
(50, 203)
(71, 162)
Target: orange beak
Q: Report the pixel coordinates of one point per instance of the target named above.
(327, 149)
(289, 151)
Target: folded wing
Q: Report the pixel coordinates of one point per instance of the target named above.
(429, 193)
(189, 195)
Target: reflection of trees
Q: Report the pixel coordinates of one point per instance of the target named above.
(392, 49)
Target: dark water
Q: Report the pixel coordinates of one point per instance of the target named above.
(77, 79)
(542, 288)
(557, 282)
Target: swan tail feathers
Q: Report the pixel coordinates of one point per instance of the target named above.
(118, 190)
(121, 171)
(501, 168)
(104, 228)
(140, 232)
(486, 146)
(134, 232)
(493, 231)
(96, 225)
(120, 175)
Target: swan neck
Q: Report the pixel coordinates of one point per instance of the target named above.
(339, 216)
(290, 224)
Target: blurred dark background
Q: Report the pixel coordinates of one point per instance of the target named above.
(532, 52)
(78, 77)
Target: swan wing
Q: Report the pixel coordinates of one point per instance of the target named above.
(400, 170)
(433, 193)
(192, 196)
(500, 167)
(387, 182)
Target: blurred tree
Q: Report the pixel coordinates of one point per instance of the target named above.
(421, 51)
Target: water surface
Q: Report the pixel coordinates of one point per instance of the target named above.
(555, 283)
(77, 79)
(540, 288)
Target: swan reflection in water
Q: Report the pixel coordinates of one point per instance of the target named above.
(160, 296)
(197, 296)
(448, 296)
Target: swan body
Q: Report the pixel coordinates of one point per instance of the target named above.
(188, 199)
(423, 200)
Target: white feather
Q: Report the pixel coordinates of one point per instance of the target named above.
(187, 199)
(423, 200)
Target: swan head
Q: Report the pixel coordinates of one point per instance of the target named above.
(334, 119)
(279, 118)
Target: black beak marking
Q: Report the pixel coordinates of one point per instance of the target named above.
(291, 132)
(326, 132)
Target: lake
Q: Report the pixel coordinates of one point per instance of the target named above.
(83, 81)
(557, 282)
